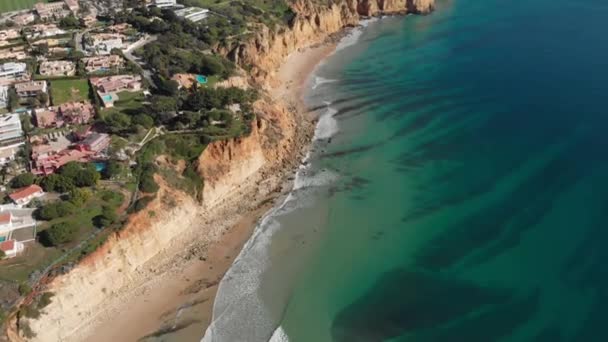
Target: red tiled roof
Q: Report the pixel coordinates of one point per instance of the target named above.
(8, 245)
(25, 192)
(5, 218)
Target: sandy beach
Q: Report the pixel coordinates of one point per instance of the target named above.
(176, 303)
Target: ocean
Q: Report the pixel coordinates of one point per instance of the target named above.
(457, 189)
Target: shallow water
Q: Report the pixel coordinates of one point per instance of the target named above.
(462, 195)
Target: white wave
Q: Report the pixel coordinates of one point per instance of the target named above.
(327, 125)
(279, 336)
(237, 300)
(353, 36)
(319, 81)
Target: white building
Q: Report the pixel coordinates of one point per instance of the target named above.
(3, 96)
(25, 195)
(12, 72)
(103, 43)
(17, 226)
(164, 3)
(193, 14)
(10, 130)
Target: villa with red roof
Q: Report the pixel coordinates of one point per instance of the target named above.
(25, 195)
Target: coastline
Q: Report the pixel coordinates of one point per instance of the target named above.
(177, 304)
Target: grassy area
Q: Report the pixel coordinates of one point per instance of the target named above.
(35, 257)
(69, 90)
(15, 5)
(127, 103)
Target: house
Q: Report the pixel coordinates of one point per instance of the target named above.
(95, 142)
(188, 80)
(9, 153)
(193, 14)
(31, 88)
(72, 5)
(118, 83)
(9, 34)
(108, 87)
(51, 10)
(47, 117)
(77, 113)
(25, 195)
(3, 96)
(43, 31)
(11, 248)
(46, 160)
(12, 72)
(23, 19)
(88, 21)
(57, 68)
(14, 54)
(102, 63)
(10, 130)
(103, 43)
(163, 3)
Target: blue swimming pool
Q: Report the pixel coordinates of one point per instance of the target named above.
(201, 79)
(100, 166)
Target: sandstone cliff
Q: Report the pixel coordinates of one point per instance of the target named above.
(227, 167)
(312, 24)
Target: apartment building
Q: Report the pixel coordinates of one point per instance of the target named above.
(12, 72)
(3, 97)
(193, 14)
(10, 130)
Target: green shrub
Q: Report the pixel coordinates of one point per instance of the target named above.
(141, 204)
(55, 210)
(45, 300)
(22, 180)
(60, 233)
(79, 197)
(24, 289)
(107, 217)
(56, 183)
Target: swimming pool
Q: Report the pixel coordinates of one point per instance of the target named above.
(201, 79)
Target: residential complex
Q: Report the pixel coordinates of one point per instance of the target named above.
(12, 72)
(193, 14)
(31, 88)
(102, 63)
(57, 68)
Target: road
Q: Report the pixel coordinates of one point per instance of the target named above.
(129, 55)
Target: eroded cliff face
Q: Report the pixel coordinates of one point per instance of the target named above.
(312, 24)
(224, 166)
(80, 293)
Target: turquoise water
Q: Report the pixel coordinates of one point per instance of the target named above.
(463, 196)
(201, 79)
(100, 166)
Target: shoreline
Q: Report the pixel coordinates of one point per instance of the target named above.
(177, 305)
